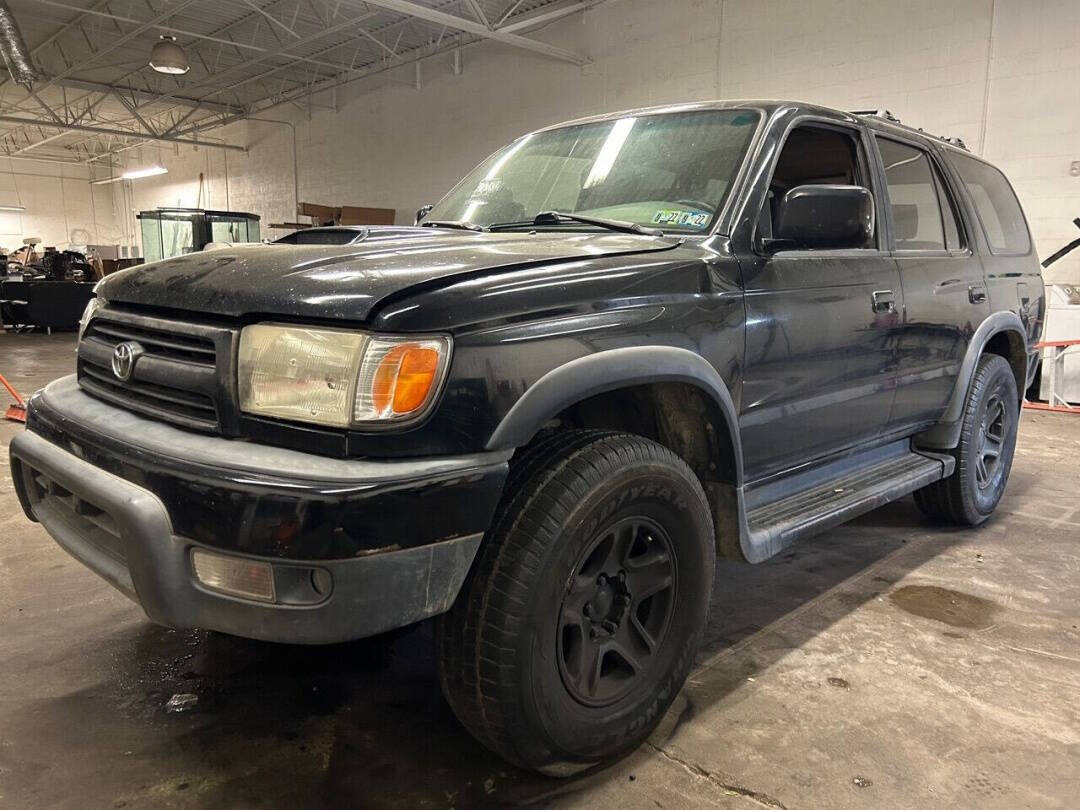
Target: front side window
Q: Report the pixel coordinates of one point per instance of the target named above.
(671, 171)
(995, 203)
(913, 197)
(814, 155)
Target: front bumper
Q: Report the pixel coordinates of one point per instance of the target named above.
(81, 467)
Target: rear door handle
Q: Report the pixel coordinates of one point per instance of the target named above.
(976, 294)
(883, 301)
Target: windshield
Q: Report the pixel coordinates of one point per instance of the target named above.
(671, 171)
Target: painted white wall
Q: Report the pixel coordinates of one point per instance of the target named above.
(1002, 74)
(61, 206)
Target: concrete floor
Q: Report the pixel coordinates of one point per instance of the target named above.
(888, 663)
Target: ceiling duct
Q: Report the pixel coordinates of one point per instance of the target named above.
(13, 48)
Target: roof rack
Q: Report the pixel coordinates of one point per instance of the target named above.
(885, 115)
(879, 113)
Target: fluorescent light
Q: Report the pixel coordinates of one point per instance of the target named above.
(133, 174)
(12, 207)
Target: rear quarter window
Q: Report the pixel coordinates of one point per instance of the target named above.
(996, 205)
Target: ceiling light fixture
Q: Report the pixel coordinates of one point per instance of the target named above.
(168, 57)
(133, 174)
(12, 207)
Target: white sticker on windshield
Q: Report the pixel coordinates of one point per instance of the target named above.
(681, 219)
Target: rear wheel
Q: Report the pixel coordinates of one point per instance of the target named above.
(580, 618)
(984, 454)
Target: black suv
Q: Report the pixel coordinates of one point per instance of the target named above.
(622, 346)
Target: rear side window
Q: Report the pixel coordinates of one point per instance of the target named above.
(913, 197)
(995, 203)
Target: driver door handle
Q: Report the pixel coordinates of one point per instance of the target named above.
(883, 301)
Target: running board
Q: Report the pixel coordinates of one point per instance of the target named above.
(816, 500)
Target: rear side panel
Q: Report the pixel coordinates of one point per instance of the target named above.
(1013, 274)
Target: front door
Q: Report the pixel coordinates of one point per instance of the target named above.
(821, 325)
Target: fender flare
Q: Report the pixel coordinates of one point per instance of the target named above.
(946, 433)
(609, 370)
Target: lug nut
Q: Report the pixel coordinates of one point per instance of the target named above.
(587, 610)
(602, 579)
(610, 626)
(622, 576)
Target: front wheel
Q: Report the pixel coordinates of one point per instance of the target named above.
(579, 622)
(984, 454)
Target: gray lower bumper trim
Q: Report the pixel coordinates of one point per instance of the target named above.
(137, 552)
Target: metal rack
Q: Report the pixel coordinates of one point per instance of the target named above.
(885, 115)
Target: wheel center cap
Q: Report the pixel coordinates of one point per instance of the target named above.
(609, 604)
(603, 601)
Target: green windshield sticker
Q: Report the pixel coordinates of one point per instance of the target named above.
(681, 219)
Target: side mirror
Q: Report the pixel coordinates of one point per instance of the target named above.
(422, 212)
(824, 216)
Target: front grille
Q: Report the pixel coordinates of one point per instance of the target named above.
(163, 344)
(176, 378)
(161, 398)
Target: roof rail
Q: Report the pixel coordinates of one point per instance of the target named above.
(885, 115)
(878, 113)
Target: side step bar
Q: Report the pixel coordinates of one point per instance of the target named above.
(779, 513)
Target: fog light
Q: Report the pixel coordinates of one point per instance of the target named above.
(234, 575)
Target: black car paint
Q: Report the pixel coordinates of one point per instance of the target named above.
(810, 367)
(795, 349)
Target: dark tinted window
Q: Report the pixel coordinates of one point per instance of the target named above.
(997, 206)
(913, 197)
(814, 155)
(953, 239)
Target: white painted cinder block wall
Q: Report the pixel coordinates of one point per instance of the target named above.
(61, 206)
(1002, 74)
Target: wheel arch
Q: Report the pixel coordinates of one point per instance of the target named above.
(1002, 333)
(660, 369)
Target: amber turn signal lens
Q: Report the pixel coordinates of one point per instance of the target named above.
(404, 379)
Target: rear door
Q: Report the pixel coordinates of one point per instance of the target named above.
(820, 324)
(945, 295)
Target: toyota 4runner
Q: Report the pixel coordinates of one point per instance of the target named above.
(623, 346)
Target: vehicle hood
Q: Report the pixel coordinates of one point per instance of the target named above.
(349, 281)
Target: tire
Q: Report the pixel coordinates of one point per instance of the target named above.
(991, 417)
(545, 595)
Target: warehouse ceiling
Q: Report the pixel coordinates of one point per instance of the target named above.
(95, 94)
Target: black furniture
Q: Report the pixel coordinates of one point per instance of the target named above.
(44, 304)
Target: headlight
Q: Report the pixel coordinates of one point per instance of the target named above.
(338, 377)
(92, 306)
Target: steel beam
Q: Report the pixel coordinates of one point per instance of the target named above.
(125, 133)
(145, 96)
(461, 24)
(529, 21)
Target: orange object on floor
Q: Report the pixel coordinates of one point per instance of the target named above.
(16, 412)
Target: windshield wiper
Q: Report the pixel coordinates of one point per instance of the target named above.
(456, 224)
(558, 218)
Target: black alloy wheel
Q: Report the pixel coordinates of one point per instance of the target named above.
(616, 610)
(990, 439)
(984, 453)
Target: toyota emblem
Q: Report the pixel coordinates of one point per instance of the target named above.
(123, 359)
